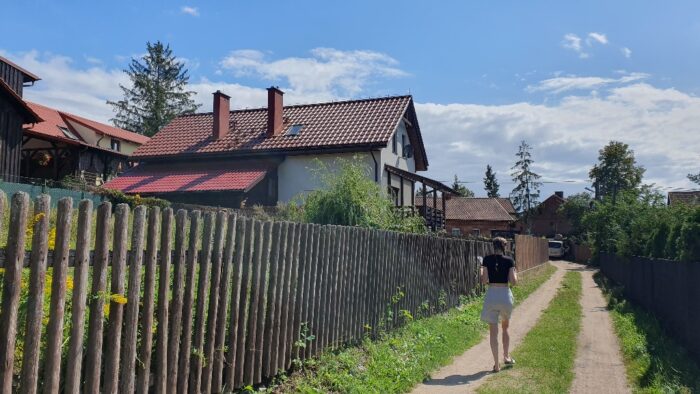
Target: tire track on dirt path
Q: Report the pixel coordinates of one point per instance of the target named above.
(471, 369)
(598, 367)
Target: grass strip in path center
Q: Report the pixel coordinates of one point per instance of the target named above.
(545, 358)
(404, 357)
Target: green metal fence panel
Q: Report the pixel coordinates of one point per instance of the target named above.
(56, 194)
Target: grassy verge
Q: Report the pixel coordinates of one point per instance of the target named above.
(655, 363)
(546, 355)
(404, 357)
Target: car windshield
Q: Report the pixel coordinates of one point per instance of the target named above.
(555, 245)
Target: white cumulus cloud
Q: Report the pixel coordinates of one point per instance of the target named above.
(562, 84)
(594, 37)
(626, 52)
(327, 72)
(188, 10)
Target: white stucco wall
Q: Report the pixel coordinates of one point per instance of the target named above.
(295, 174)
(103, 141)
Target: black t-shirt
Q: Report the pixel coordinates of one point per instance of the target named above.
(498, 267)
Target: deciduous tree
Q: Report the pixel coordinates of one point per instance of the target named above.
(616, 171)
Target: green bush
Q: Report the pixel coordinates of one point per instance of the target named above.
(349, 197)
(117, 197)
(689, 239)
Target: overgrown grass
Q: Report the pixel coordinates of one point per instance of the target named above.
(655, 363)
(402, 358)
(546, 355)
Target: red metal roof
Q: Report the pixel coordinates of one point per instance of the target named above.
(343, 124)
(149, 179)
(473, 208)
(53, 119)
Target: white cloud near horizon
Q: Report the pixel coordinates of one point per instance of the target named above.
(562, 84)
(188, 10)
(327, 72)
(660, 124)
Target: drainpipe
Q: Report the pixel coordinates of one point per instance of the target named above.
(376, 167)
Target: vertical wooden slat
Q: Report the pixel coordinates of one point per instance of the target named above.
(183, 371)
(80, 281)
(286, 305)
(260, 328)
(57, 307)
(279, 243)
(305, 259)
(213, 312)
(337, 253)
(93, 359)
(143, 369)
(175, 318)
(131, 315)
(317, 285)
(250, 339)
(116, 309)
(160, 378)
(239, 299)
(35, 302)
(221, 320)
(293, 315)
(196, 361)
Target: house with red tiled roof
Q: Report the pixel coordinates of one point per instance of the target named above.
(63, 144)
(545, 220)
(267, 155)
(37, 141)
(476, 216)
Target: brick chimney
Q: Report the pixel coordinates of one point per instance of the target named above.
(221, 115)
(275, 121)
(559, 194)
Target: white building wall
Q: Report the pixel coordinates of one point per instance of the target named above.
(295, 173)
(103, 141)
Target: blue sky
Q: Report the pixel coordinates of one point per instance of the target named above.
(485, 75)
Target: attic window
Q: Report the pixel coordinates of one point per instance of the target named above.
(295, 129)
(68, 133)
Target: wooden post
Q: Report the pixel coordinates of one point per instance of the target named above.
(255, 293)
(221, 320)
(295, 316)
(175, 310)
(288, 301)
(80, 281)
(93, 360)
(131, 315)
(163, 290)
(116, 309)
(57, 307)
(269, 349)
(213, 312)
(183, 369)
(143, 369)
(242, 299)
(35, 302)
(197, 361)
(260, 327)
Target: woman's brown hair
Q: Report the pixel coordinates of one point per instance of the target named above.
(500, 244)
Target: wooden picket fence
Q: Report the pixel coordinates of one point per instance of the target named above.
(222, 303)
(530, 251)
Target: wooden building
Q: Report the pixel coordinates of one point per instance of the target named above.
(475, 216)
(14, 112)
(545, 220)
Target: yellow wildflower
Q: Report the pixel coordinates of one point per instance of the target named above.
(118, 298)
(105, 308)
(69, 282)
(52, 238)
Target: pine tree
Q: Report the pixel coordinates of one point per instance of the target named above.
(491, 183)
(462, 190)
(157, 93)
(527, 186)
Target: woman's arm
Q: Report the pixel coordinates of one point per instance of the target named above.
(513, 276)
(484, 275)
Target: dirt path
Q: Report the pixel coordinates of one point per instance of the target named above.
(470, 370)
(598, 366)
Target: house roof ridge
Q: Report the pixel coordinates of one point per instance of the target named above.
(348, 101)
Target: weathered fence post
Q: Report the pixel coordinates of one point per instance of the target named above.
(175, 310)
(162, 314)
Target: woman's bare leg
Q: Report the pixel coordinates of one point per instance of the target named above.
(506, 339)
(493, 330)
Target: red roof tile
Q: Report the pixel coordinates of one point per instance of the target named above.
(472, 208)
(148, 179)
(53, 119)
(341, 124)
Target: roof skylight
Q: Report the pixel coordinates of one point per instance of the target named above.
(295, 129)
(68, 133)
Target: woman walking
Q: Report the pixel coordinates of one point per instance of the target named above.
(498, 271)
